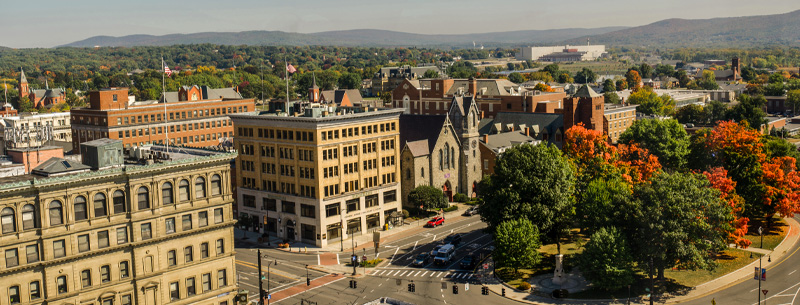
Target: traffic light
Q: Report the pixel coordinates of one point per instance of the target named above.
(485, 290)
(241, 297)
(409, 287)
(355, 284)
(351, 283)
(413, 287)
(504, 291)
(455, 289)
(308, 282)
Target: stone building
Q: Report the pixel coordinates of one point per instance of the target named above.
(34, 129)
(442, 150)
(195, 116)
(107, 231)
(41, 97)
(321, 176)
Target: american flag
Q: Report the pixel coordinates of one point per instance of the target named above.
(167, 70)
(291, 69)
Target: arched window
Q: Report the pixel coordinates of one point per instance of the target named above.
(29, 219)
(56, 213)
(80, 208)
(183, 190)
(199, 187)
(166, 193)
(61, 284)
(216, 185)
(422, 172)
(100, 206)
(8, 220)
(452, 157)
(441, 160)
(447, 155)
(119, 202)
(143, 197)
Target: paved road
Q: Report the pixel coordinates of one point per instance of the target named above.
(783, 285)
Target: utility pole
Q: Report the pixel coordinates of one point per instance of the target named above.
(260, 283)
(652, 286)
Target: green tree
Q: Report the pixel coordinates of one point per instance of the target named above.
(708, 82)
(750, 110)
(748, 73)
(428, 197)
(683, 78)
(430, 73)
(516, 77)
(510, 66)
(650, 103)
(691, 114)
(622, 84)
(516, 244)
(552, 69)
(715, 111)
(608, 85)
(680, 221)
(793, 100)
(612, 97)
(604, 203)
(606, 260)
(666, 139)
(564, 77)
(664, 70)
(585, 76)
(350, 81)
(536, 182)
(633, 79)
(645, 70)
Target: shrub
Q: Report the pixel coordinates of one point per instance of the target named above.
(405, 214)
(524, 286)
(460, 198)
(451, 208)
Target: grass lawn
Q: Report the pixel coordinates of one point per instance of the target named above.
(728, 261)
(547, 264)
(772, 236)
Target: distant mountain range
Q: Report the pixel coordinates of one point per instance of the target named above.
(361, 37)
(750, 31)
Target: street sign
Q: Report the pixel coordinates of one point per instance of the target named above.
(764, 291)
(354, 258)
(466, 287)
(485, 266)
(269, 297)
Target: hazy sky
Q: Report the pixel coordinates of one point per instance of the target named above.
(47, 23)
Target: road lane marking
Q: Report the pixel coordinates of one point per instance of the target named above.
(404, 272)
(415, 246)
(337, 259)
(790, 273)
(318, 261)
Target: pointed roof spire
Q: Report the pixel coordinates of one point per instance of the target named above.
(46, 85)
(22, 78)
(586, 91)
(314, 83)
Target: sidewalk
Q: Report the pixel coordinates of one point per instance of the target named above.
(701, 290)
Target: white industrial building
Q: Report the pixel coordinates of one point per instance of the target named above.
(582, 53)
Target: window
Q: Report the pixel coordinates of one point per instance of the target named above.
(174, 291)
(307, 211)
(287, 207)
(32, 253)
(222, 278)
(126, 299)
(199, 187)
(249, 201)
(80, 208)
(190, 286)
(102, 239)
(123, 270)
(390, 196)
(61, 284)
(122, 236)
(36, 290)
(218, 215)
(171, 260)
(58, 249)
(202, 219)
(183, 190)
(371, 201)
(83, 243)
(166, 193)
(143, 198)
(108, 301)
(105, 274)
(169, 225)
(12, 260)
(220, 246)
(13, 295)
(147, 233)
(186, 221)
(353, 205)
(188, 256)
(216, 185)
(203, 250)
(269, 204)
(8, 221)
(332, 210)
(29, 219)
(56, 213)
(86, 278)
(206, 278)
(100, 208)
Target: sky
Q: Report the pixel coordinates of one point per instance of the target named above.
(48, 23)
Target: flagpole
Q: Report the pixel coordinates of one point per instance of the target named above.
(164, 96)
(286, 64)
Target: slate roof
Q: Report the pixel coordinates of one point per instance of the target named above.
(463, 103)
(208, 94)
(507, 139)
(419, 148)
(337, 96)
(485, 126)
(551, 122)
(418, 127)
(493, 87)
(586, 91)
(56, 166)
(22, 78)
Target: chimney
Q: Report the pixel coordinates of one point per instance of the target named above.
(473, 85)
(486, 138)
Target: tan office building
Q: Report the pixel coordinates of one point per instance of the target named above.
(316, 177)
(152, 229)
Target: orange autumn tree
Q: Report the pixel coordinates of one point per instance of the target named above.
(782, 184)
(718, 177)
(638, 164)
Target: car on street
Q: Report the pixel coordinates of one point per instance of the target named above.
(471, 211)
(445, 255)
(436, 250)
(453, 239)
(422, 260)
(468, 262)
(436, 221)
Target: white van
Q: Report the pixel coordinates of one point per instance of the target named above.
(445, 254)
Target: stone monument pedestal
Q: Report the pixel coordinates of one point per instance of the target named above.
(558, 274)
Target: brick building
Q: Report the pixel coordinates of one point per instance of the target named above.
(321, 176)
(41, 97)
(194, 116)
(617, 119)
(107, 232)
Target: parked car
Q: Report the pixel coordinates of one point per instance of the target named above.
(436, 250)
(422, 260)
(436, 221)
(468, 262)
(453, 239)
(471, 211)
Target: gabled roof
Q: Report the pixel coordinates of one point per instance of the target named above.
(314, 83)
(586, 91)
(538, 122)
(337, 96)
(419, 148)
(462, 104)
(507, 139)
(419, 127)
(494, 87)
(56, 166)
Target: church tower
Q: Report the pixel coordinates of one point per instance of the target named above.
(313, 92)
(23, 83)
(465, 117)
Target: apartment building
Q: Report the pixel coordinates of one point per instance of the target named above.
(152, 226)
(195, 116)
(321, 176)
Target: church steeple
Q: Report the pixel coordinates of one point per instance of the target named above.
(23, 83)
(313, 92)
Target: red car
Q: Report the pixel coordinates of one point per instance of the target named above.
(436, 221)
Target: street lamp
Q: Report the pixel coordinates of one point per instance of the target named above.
(353, 257)
(341, 230)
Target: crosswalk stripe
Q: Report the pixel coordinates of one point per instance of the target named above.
(440, 274)
(418, 272)
(404, 272)
(426, 272)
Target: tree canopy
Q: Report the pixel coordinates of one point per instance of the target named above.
(666, 139)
